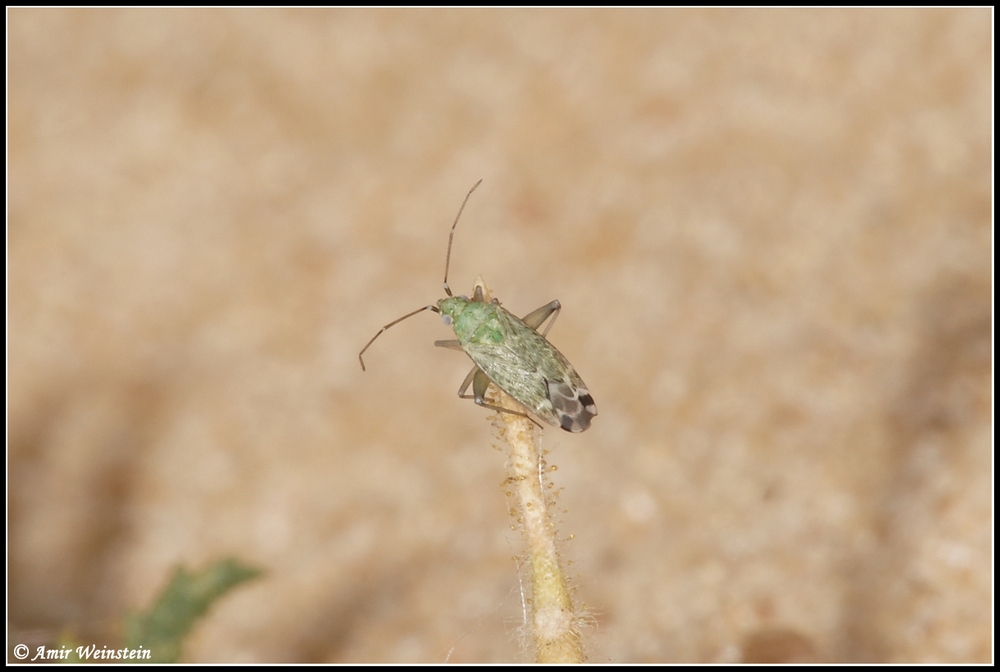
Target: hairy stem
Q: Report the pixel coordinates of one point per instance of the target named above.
(553, 620)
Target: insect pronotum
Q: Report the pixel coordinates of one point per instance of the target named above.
(510, 352)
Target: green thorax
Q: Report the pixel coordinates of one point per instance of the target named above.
(474, 321)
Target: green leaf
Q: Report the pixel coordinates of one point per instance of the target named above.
(185, 599)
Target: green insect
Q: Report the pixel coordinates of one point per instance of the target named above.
(510, 352)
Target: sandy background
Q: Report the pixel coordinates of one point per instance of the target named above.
(771, 235)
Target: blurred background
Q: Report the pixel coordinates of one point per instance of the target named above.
(770, 232)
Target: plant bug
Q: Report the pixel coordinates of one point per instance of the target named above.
(510, 352)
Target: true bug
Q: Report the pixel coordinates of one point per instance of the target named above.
(509, 351)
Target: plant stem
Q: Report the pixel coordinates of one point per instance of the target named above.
(553, 620)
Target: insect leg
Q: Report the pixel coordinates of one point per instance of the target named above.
(418, 310)
(466, 383)
(535, 318)
(452, 344)
(477, 296)
(480, 382)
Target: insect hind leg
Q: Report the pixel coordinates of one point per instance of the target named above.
(480, 381)
(535, 318)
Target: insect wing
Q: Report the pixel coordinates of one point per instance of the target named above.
(535, 373)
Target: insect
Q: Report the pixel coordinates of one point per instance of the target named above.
(510, 352)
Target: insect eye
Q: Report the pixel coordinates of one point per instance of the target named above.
(464, 297)
(446, 318)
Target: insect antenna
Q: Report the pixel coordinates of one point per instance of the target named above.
(451, 237)
(396, 321)
(447, 289)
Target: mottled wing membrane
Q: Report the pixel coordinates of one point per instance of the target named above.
(572, 404)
